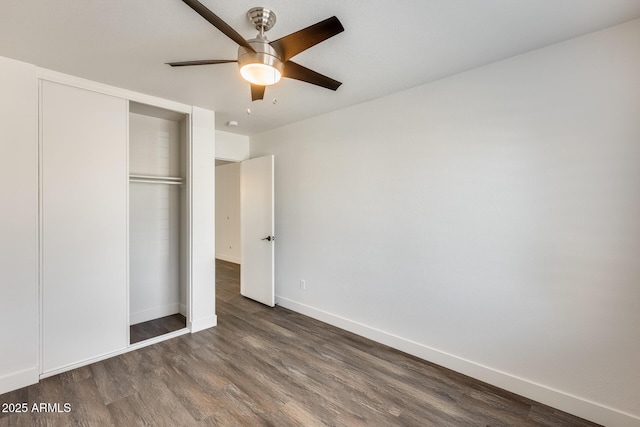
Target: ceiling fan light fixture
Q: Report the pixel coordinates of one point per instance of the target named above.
(260, 74)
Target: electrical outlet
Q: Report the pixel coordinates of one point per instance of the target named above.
(303, 285)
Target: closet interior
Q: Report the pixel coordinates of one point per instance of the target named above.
(158, 221)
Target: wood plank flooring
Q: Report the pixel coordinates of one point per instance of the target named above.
(272, 367)
(156, 327)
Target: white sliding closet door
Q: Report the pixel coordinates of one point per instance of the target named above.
(84, 225)
(18, 225)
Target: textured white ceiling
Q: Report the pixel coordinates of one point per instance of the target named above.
(387, 45)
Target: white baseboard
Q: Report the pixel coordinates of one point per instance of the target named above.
(575, 405)
(154, 313)
(18, 379)
(229, 258)
(198, 325)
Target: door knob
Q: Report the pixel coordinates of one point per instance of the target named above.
(269, 238)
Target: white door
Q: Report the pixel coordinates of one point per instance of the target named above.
(84, 225)
(257, 230)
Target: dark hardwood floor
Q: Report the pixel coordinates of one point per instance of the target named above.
(156, 327)
(274, 367)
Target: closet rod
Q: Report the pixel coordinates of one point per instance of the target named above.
(156, 178)
(156, 181)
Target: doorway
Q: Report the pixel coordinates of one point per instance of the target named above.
(245, 223)
(228, 211)
(227, 223)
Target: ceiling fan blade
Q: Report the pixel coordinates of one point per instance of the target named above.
(201, 62)
(291, 45)
(218, 23)
(257, 92)
(298, 72)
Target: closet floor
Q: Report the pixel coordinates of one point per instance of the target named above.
(156, 327)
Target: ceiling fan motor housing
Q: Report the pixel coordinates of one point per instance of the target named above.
(264, 54)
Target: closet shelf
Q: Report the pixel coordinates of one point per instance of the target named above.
(149, 179)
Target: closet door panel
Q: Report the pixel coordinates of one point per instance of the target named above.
(18, 225)
(84, 225)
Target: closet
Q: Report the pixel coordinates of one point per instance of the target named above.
(115, 227)
(158, 221)
(107, 223)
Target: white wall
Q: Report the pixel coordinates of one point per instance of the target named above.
(487, 222)
(231, 147)
(228, 212)
(234, 148)
(203, 266)
(154, 146)
(18, 225)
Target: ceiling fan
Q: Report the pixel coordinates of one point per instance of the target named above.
(263, 62)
